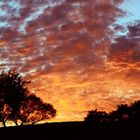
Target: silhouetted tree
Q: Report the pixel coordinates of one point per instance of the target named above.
(12, 91)
(96, 117)
(34, 110)
(120, 114)
(135, 112)
(17, 104)
(124, 114)
(13, 88)
(5, 111)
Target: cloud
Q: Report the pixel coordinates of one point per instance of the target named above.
(125, 52)
(69, 51)
(126, 48)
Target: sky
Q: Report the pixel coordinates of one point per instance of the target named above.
(133, 12)
(79, 55)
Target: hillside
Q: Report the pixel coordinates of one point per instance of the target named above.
(69, 130)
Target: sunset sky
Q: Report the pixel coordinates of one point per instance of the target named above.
(79, 54)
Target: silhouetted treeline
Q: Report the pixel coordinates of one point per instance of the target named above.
(124, 114)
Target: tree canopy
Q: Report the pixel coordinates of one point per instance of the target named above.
(124, 113)
(33, 110)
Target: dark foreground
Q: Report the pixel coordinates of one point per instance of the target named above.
(70, 130)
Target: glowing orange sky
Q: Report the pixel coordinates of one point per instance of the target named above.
(72, 52)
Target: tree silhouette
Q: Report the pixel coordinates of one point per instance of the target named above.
(134, 114)
(34, 110)
(120, 114)
(124, 114)
(96, 117)
(12, 91)
(13, 88)
(5, 111)
(17, 104)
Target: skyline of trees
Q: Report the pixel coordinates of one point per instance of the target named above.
(124, 114)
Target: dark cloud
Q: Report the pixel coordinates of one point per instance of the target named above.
(127, 48)
(66, 32)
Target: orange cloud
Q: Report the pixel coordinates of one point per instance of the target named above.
(71, 55)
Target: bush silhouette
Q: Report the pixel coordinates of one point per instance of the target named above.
(120, 114)
(134, 115)
(96, 117)
(124, 114)
(17, 104)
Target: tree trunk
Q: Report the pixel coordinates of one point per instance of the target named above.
(22, 123)
(3, 122)
(16, 123)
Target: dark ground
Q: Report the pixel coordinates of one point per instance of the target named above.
(70, 130)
